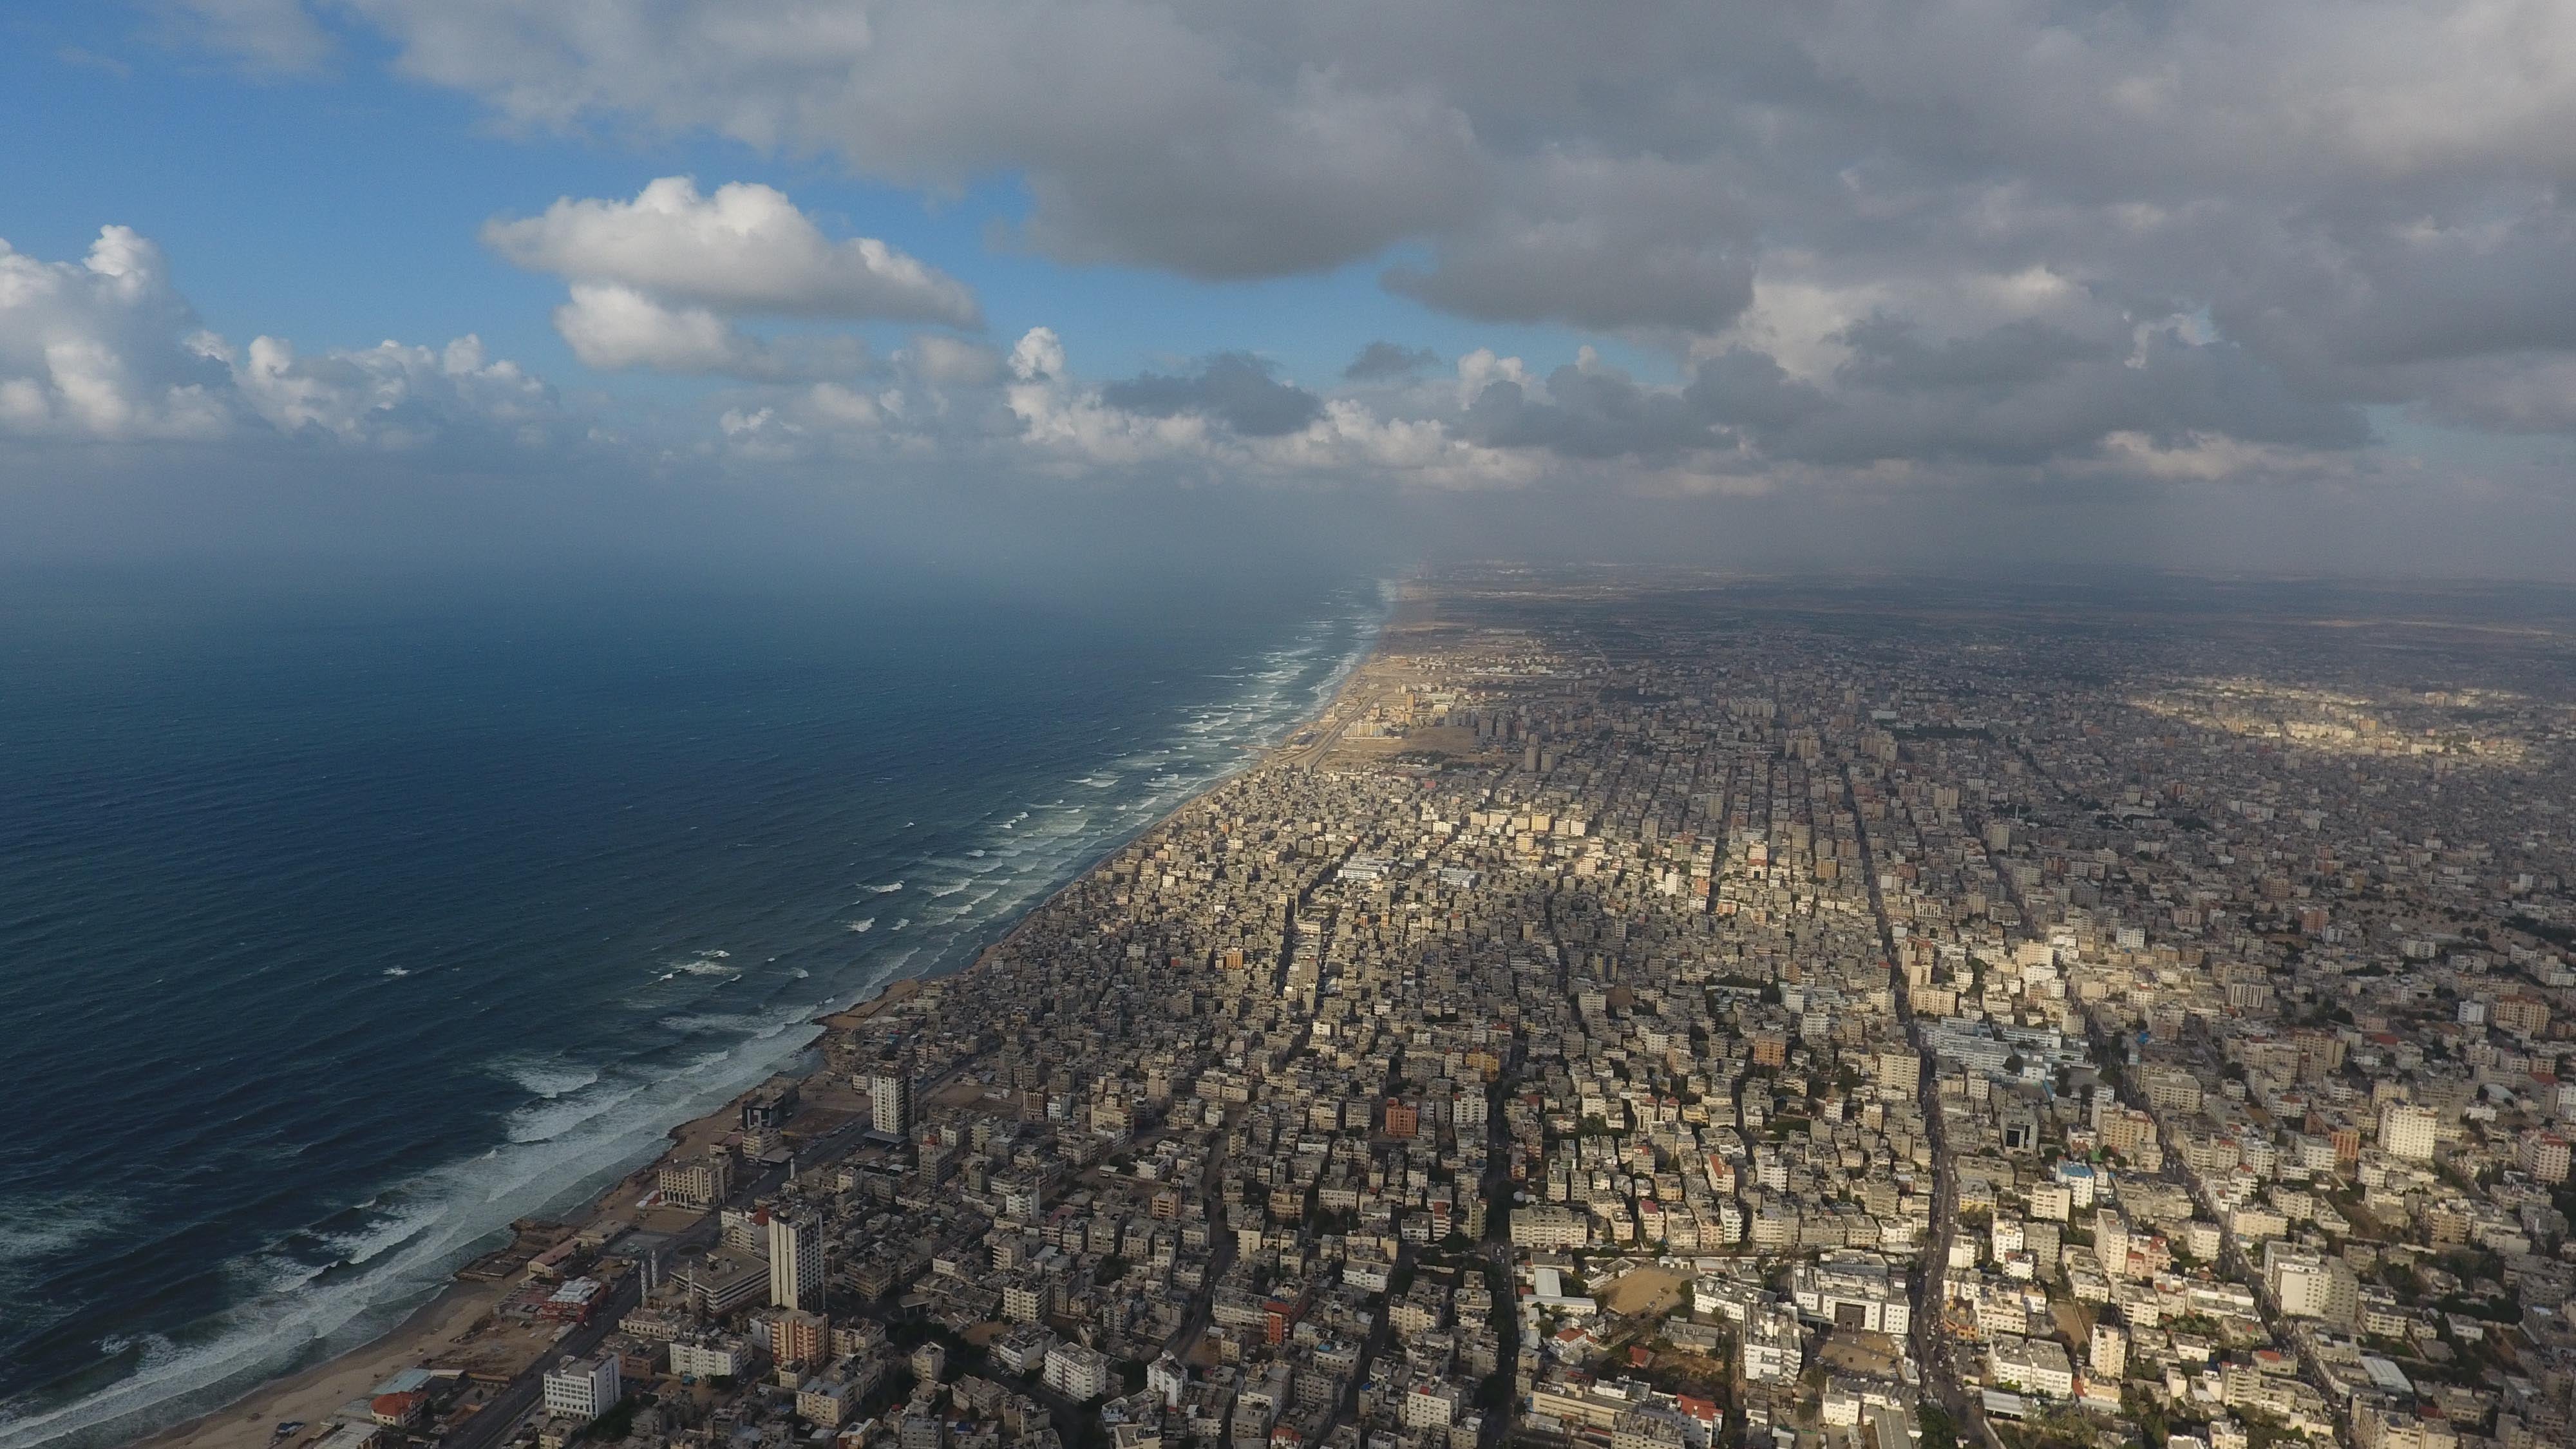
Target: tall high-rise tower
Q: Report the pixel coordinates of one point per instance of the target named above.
(796, 1260)
(890, 1101)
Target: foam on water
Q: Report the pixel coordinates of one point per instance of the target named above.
(35, 1230)
(296, 1311)
(551, 1116)
(704, 963)
(583, 1125)
(393, 1228)
(548, 1077)
(712, 1023)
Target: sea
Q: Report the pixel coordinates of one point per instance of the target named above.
(345, 919)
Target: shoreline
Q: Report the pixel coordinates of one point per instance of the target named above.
(315, 1394)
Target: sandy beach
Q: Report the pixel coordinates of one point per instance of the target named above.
(315, 1394)
(443, 1328)
(446, 1326)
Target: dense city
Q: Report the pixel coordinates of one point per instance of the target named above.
(1644, 1013)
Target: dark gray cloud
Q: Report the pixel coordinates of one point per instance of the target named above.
(1889, 353)
(1595, 412)
(1979, 235)
(1605, 242)
(1546, 275)
(2349, 192)
(1381, 360)
(1233, 388)
(2014, 396)
(2517, 394)
(2019, 394)
(1751, 391)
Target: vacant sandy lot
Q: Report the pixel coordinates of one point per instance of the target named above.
(1647, 1290)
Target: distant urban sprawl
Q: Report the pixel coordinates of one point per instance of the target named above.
(1642, 1014)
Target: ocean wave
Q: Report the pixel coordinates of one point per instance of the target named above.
(294, 1310)
(705, 963)
(703, 1023)
(547, 1077)
(34, 1229)
(392, 1228)
(585, 1126)
(552, 1117)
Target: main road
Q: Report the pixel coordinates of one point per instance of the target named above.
(1931, 1344)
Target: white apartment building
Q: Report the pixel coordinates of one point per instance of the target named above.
(796, 1261)
(890, 1102)
(1771, 1351)
(1076, 1372)
(1430, 1404)
(583, 1389)
(709, 1357)
(698, 1183)
(2109, 1355)
(1853, 1290)
(2033, 1365)
(2310, 1285)
(2543, 1154)
(2406, 1130)
(1549, 1227)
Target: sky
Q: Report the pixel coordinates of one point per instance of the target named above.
(2242, 284)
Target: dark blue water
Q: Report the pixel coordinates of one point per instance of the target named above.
(341, 924)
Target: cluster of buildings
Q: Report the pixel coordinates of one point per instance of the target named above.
(1639, 1020)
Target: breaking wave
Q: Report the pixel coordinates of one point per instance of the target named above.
(585, 1120)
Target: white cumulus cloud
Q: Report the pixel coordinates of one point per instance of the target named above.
(395, 396)
(107, 350)
(105, 347)
(612, 326)
(2368, 200)
(746, 250)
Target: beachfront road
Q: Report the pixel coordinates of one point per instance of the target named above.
(512, 1404)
